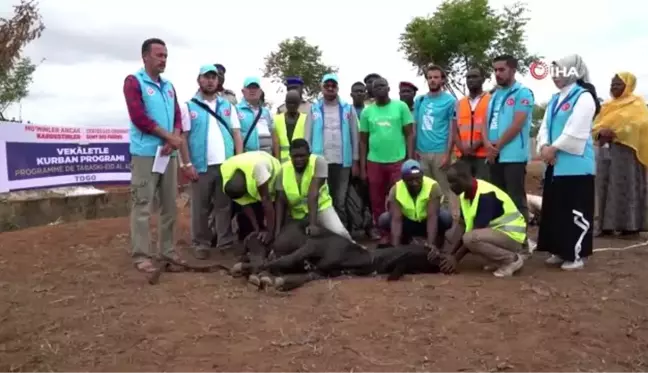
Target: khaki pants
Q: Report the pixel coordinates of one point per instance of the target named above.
(205, 193)
(494, 246)
(431, 164)
(144, 185)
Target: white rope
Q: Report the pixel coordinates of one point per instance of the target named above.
(637, 245)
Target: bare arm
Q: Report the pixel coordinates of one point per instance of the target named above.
(518, 122)
(268, 206)
(396, 224)
(280, 208)
(251, 216)
(433, 216)
(313, 199)
(408, 130)
(364, 140)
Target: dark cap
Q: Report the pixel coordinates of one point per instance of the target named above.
(220, 67)
(408, 84)
(294, 80)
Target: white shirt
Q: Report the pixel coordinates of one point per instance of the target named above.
(578, 128)
(215, 142)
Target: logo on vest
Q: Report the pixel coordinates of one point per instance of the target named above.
(241, 116)
(510, 102)
(348, 116)
(150, 91)
(170, 93)
(316, 115)
(227, 112)
(525, 101)
(565, 106)
(194, 115)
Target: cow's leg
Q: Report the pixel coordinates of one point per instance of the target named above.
(294, 281)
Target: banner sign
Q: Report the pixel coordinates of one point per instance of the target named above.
(38, 156)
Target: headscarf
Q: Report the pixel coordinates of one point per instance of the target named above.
(627, 116)
(574, 62)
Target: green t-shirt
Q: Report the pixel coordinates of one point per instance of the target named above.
(385, 124)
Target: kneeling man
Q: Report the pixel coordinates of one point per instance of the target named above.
(249, 179)
(494, 227)
(303, 191)
(414, 209)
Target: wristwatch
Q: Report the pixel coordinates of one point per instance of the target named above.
(187, 165)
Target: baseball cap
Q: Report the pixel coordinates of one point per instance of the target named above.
(294, 80)
(204, 69)
(251, 80)
(410, 166)
(328, 77)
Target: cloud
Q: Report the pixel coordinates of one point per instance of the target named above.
(68, 46)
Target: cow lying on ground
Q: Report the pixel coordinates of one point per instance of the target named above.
(330, 255)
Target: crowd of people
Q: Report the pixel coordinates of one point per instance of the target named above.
(440, 177)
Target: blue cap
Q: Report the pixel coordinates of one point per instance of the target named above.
(294, 80)
(410, 166)
(204, 69)
(328, 77)
(251, 80)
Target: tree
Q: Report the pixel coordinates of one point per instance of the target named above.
(15, 71)
(536, 118)
(296, 57)
(466, 33)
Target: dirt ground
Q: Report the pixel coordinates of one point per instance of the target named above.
(70, 300)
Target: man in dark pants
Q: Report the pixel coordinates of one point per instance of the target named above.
(508, 126)
(330, 255)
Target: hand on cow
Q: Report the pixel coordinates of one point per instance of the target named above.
(313, 230)
(265, 237)
(433, 254)
(448, 264)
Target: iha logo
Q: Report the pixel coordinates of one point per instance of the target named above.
(540, 70)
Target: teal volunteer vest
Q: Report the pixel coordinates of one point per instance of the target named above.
(159, 100)
(557, 115)
(200, 120)
(501, 110)
(317, 130)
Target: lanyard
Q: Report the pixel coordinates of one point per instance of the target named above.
(501, 104)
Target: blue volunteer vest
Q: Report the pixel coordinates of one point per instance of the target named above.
(317, 130)
(159, 101)
(557, 115)
(200, 120)
(246, 117)
(433, 140)
(501, 110)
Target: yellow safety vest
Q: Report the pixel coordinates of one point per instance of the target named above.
(282, 134)
(246, 162)
(297, 196)
(511, 223)
(411, 209)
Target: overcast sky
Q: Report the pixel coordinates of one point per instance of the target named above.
(91, 46)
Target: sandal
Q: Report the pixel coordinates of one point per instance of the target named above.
(145, 266)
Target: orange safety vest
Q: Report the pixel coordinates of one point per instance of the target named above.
(470, 122)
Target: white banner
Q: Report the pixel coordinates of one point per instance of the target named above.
(37, 156)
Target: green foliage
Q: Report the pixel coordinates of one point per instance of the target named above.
(466, 33)
(536, 118)
(15, 71)
(296, 57)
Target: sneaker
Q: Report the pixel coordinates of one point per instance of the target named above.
(571, 266)
(509, 269)
(554, 260)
